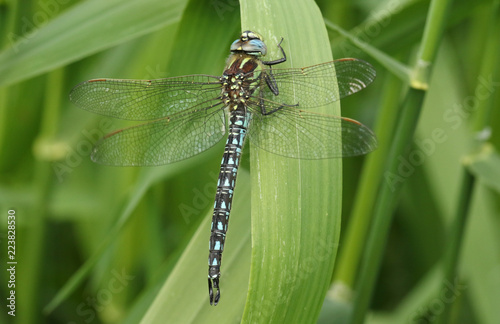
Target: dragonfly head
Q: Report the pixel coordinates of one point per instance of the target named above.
(249, 43)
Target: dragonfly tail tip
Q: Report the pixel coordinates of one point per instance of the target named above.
(214, 300)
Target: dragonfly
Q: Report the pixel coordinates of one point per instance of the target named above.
(186, 115)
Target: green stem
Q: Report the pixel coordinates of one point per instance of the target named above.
(489, 68)
(387, 198)
(43, 180)
(352, 250)
(464, 199)
(455, 238)
(438, 13)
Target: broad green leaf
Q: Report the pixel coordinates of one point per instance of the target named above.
(295, 203)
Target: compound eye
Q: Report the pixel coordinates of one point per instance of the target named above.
(250, 43)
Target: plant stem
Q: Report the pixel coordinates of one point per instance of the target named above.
(383, 209)
(464, 199)
(387, 198)
(43, 179)
(351, 253)
(454, 241)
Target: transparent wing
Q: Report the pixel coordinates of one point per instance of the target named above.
(296, 133)
(316, 85)
(146, 99)
(162, 141)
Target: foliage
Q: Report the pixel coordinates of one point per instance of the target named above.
(100, 244)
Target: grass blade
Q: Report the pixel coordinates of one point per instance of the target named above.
(84, 29)
(295, 203)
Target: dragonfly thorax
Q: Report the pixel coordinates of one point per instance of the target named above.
(239, 80)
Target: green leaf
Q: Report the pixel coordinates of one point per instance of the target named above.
(148, 177)
(84, 29)
(486, 166)
(397, 68)
(183, 298)
(296, 204)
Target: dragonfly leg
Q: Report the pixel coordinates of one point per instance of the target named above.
(278, 61)
(214, 299)
(263, 110)
(271, 82)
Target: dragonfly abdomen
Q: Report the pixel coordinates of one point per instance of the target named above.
(238, 124)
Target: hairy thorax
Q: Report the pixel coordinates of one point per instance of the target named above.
(239, 80)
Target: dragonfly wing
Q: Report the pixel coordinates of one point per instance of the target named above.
(319, 84)
(161, 141)
(296, 133)
(146, 99)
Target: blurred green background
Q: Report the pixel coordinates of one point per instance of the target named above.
(97, 244)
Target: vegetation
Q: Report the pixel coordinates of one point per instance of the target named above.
(407, 234)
